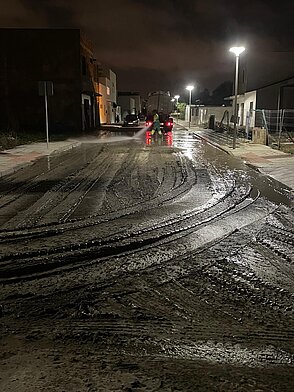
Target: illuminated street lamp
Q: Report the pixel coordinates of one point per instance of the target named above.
(177, 98)
(237, 50)
(190, 88)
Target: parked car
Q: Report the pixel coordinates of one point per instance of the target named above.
(131, 120)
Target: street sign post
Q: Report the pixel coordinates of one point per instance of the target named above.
(46, 89)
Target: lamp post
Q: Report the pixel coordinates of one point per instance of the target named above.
(177, 99)
(190, 88)
(237, 50)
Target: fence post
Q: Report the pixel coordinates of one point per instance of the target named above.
(281, 127)
(266, 125)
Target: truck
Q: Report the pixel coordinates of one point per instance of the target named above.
(160, 102)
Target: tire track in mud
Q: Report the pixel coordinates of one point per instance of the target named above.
(133, 241)
(187, 180)
(189, 305)
(229, 194)
(187, 299)
(20, 266)
(32, 188)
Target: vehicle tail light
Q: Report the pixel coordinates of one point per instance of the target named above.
(168, 124)
(148, 123)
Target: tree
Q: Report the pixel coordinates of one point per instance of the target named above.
(181, 109)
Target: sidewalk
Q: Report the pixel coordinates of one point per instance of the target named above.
(266, 160)
(16, 158)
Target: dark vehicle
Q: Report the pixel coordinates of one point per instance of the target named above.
(131, 120)
(166, 122)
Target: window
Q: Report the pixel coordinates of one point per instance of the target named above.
(251, 106)
(108, 90)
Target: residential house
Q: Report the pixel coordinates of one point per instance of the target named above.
(106, 87)
(274, 96)
(61, 56)
(130, 102)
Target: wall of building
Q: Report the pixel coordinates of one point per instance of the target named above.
(90, 115)
(200, 114)
(32, 55)
(103, 103)
(112, 85)
(268, 97)
(107, 88)
(130, 103)
(249, 108)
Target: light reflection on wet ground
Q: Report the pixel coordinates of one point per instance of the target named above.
(195, 149)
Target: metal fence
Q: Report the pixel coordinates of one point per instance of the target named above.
(279, 125)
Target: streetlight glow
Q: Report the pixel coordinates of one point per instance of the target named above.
(237, 50)
(190, 88)
(177, 97)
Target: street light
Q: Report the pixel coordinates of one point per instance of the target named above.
(237, 50)
(190, 88)
(177, 98)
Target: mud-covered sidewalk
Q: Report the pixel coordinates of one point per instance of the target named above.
(268, 161)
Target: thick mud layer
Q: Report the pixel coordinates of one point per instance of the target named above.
(138, 266)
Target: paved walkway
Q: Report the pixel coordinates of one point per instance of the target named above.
(273, 163)
(13, 159)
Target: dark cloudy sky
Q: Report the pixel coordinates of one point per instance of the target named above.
(165, 44)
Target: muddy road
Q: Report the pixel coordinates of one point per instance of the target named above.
(131, 264)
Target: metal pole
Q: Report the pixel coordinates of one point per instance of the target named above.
(281, 127)
(190, 100)
(46, 112)
(235, 102)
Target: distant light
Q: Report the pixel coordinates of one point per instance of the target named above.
(190, 88)
(237, 50)
(176, 96)
(172, 100)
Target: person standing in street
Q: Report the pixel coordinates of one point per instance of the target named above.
(156, 125)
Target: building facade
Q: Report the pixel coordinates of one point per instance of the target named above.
(61, 56)
(107, 98)
(130, 103)
(274, 97)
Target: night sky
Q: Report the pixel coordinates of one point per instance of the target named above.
(166, 44)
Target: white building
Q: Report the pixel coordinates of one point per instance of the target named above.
(129, 102)
(106, 86)
(200, 114)
(274, 96)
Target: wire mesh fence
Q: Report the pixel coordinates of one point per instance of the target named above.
(279, 125)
